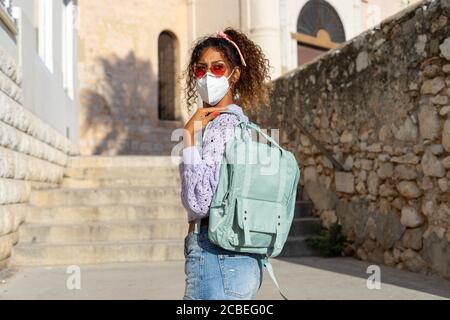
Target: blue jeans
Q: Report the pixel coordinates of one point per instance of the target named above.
(213, 273)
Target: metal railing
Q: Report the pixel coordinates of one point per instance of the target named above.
(7, 6)
(6, 15)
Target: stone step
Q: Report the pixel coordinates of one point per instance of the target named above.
(97, 252)
(151, 173)
(93, 213)
(168, 181)
(122, 251)
(105, 196)
(303, 209)
(130, 230)
(84, 214)
(305, 226)
(111, 231)
(297, 247)
(122, 161)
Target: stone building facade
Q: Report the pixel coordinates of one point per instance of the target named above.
(37, 112)
(370, 126)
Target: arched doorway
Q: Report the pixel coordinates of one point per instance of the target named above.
(319, 29)
(167, 73)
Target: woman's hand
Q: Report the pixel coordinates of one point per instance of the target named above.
(198, 121)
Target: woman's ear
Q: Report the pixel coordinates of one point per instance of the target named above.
(236, 75)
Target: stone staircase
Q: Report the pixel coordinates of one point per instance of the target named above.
(303, 225)
(108, 209)
(119, 209)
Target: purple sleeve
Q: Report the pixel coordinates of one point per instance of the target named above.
(199, 169)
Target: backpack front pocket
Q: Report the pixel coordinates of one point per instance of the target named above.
(259, 220)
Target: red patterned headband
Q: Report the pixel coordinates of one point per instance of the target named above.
(221, 34)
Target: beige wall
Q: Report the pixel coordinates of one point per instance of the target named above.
(373, 11)
(216, 15)
(32, 155)
(118, 71)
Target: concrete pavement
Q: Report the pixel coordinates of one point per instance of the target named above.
(300, 278)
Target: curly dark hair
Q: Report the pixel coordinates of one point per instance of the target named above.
(253, 87)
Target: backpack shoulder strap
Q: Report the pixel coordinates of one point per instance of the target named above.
(239, 115)
(266, 136)
(265, 262)
(252, 125)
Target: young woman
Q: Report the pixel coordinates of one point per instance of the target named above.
(228, 71)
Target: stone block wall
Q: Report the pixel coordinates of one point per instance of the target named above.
(32, 155)
(369, 123)
(118, 73)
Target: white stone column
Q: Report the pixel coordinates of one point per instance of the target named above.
(285, 62)
(358, 23)
(265, 30)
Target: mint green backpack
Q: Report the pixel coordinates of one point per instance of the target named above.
(253, 207)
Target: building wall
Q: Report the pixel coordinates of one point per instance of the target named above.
(34, 113)
(376, 10)
(379, 107)
(43, 91)
(356, 16)
(212, 16)
(118, 72)
(32, 154)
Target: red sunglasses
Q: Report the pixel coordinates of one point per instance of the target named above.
(217, 70)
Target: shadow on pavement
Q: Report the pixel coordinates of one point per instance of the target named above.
(432, 284)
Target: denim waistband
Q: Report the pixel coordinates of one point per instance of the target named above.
(203, 229)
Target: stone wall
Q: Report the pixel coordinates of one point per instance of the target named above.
(369, 123)
(32, 155)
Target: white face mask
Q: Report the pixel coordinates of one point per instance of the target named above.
(213, 89)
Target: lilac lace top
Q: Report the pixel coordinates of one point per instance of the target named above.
(199, 168)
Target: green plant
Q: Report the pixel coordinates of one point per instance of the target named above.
(329, 242)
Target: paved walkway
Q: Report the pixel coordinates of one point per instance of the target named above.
(301, 278)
